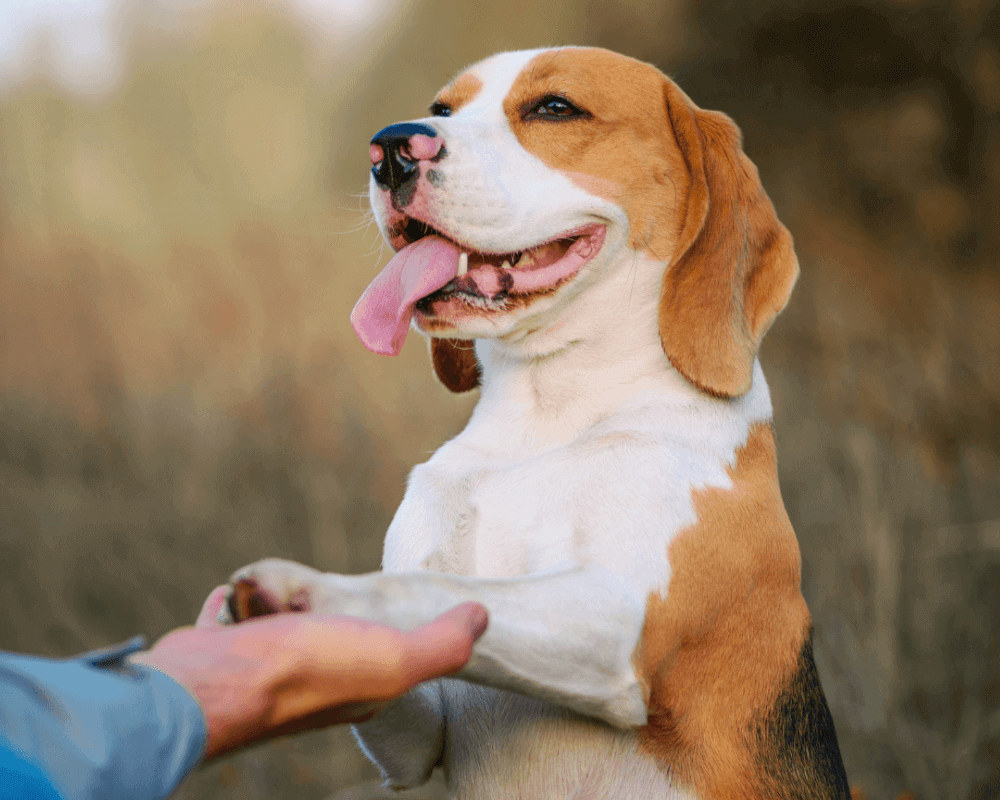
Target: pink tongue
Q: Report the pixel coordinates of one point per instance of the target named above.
(382, 315)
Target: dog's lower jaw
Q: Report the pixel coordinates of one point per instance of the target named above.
(526, 320)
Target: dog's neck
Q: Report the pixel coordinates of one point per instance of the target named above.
(601, 351)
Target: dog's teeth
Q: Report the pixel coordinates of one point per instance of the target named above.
(463, 264)
(526, 260)
(505, 264)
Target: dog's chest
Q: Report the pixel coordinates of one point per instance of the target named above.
(614, 495)
(495, 516)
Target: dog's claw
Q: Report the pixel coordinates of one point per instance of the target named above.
(249, 599)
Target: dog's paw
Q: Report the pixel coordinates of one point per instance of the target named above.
(271, 586)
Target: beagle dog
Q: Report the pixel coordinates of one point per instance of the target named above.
(595, 253)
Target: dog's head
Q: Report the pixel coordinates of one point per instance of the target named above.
(542, 174)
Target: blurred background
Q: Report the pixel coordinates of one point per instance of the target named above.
(183, 235)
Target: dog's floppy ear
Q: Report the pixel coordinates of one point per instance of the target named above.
(455, 363)
(734, 266)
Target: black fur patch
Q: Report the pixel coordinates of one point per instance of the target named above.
(796, 742)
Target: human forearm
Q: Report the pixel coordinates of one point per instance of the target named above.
(100, 734)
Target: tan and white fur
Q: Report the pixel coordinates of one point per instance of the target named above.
(614, 499)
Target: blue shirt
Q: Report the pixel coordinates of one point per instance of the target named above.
(23, 778)
(94, 728)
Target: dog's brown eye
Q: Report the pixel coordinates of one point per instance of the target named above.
(553, 107)
(440, 110)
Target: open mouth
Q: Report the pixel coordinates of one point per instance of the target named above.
(488, 281)
(440, 278)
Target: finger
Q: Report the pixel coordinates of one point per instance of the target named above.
(444, 645)
(208, 617)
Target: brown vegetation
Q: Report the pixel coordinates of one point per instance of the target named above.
(180, 392)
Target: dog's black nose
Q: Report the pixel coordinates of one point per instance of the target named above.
(396, 150)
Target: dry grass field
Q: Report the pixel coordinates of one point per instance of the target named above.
(181, 393)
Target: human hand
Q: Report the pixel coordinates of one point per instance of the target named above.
(290, 672)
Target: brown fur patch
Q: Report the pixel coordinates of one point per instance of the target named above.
(691, 195)
(718, 650)
(734, 267)
(460, 92)
(624, 151)
(455, 363)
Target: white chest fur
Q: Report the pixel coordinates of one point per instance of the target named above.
(500, 502)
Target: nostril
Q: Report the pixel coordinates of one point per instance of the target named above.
(424, 148)
(376, 153)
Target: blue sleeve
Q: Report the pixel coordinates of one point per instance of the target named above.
(96, 726)
(22, 778)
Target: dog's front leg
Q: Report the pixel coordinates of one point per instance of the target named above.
(568, 637)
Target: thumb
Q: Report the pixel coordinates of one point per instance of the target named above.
(445, 644)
